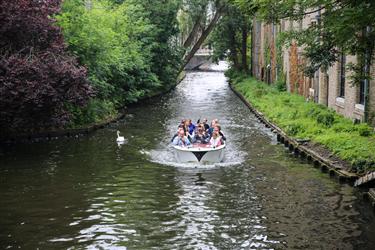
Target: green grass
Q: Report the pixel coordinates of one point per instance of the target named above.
(354, 143)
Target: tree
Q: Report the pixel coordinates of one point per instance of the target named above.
(343, 26)
(230, 38)
(217, 8)
(128, 46)
(166, 53)
(37, 77)
(195, 13)
(108, 39)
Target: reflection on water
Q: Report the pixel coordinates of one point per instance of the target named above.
(92, 193)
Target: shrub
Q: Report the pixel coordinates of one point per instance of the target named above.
(235, 75)
(259, 92)
(325, 118)
(364, 130)
(362, 166)
(281, 86)
(37, 76)
(286, 101)
(344, 127)
(95, 111)
(294, 129)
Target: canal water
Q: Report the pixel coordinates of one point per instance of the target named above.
(91, 193)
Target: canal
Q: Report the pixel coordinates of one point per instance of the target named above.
(89, 192)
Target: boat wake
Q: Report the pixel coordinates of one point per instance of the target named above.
(165, 156)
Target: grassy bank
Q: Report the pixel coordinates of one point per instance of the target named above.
(354, 143)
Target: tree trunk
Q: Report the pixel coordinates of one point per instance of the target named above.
(193, 33)
(251, 50)
(244, 48)
(233, 50)
(234, 57)
(202, 38)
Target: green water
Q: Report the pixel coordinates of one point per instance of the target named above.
(90, 193)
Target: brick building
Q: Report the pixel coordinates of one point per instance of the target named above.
(332, 88)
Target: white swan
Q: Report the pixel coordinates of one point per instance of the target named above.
(119, 138)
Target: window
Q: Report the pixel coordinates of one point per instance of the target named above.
(362, 92)
(363, 85)
(342, 75)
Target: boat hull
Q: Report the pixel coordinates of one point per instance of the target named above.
(199, 153)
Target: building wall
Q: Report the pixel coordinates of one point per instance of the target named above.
(344, 105)
(256, 50)
(264, 51)
(324, 87)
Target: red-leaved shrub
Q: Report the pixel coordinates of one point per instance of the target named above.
(37, 76)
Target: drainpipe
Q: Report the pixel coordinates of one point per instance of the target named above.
(327, 80)
(366, 89)
(317, 87)
(252, 48)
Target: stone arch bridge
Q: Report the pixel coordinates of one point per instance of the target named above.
(201, 57)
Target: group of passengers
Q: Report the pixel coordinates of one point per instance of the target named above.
(201, 133)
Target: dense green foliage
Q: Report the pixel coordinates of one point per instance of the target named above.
(166, 53)
(122, 51)
(307, 120)
(230, 38)
(128, 50)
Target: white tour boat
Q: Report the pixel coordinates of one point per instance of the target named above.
(199, 153)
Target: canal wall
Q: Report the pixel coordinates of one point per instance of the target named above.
(55, 134)
(301, 149)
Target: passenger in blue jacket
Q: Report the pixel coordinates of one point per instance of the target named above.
(181, 139)
(191, 126)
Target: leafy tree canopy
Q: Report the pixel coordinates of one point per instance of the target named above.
(342, 26)
(230, 37)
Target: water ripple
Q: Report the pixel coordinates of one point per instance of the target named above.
(90, 193)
